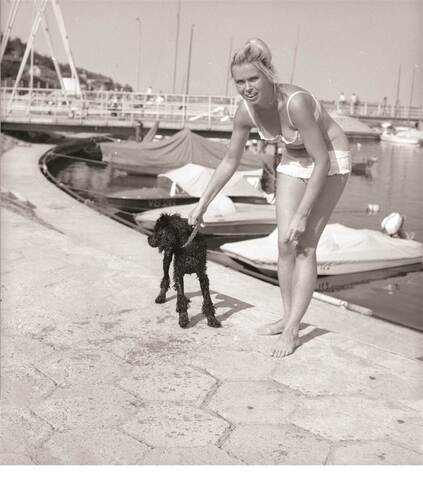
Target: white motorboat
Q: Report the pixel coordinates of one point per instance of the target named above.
(223, 218)
(341, 250)
(404, 136)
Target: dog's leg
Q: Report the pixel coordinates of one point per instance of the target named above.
(164, 284)
(181, 301)
(208, 307)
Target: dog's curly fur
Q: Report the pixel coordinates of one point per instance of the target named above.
(169, 235)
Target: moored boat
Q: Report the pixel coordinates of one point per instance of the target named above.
(183, 186)
(409, 136)
(153, 158)
(223, 218)
(341, 250)
(147, 198)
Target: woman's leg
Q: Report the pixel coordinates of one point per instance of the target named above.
(305, 272)
(289, 192)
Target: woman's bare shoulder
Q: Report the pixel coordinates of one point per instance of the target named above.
(242, 118)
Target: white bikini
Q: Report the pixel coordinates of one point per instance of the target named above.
(340, 160)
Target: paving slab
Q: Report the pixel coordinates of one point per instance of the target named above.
(260, 403)
(373, 453)
(208, 455)
(276, 445)
(165, 382)
(95, 446)
(167, 424)
(354, 418)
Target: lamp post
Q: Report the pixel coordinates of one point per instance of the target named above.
(410, 103)
(189, 60)
(178, 21)
(138, 20)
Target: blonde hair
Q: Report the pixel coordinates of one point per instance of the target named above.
(256, 52)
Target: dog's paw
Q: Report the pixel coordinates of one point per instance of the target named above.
(183, 320)
(214, 323)
(160, 298)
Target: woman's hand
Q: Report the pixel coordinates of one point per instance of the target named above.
(196, 215)
(296, 227)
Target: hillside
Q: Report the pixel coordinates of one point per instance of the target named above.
(44, 72)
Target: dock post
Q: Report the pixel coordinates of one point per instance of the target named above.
(138, 136)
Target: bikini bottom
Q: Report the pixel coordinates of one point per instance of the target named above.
(340, 164)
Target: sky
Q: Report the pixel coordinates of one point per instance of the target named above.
(350, 46)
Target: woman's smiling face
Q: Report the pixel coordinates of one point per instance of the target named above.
(251, 83)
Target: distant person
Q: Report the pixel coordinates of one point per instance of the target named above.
(342, 101)
(160, 99)
(312, 174)
(353, 102)
(385, 106)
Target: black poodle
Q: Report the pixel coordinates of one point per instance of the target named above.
(169, 235)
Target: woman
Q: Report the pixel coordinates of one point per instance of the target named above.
(311, 176)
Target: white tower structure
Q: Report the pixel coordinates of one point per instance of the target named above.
(68, 85)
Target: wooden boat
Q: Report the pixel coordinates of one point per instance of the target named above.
(341, 250)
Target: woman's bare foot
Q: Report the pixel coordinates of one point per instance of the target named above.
(287, 342)
(271, 328)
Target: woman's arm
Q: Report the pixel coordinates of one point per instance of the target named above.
(302, 115)
(228, 165)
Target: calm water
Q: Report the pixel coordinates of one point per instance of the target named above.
(394, 182)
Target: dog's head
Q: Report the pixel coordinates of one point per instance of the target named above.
(170, 232)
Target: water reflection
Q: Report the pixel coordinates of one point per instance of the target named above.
(94, 178)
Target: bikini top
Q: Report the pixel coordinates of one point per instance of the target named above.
(296, 141)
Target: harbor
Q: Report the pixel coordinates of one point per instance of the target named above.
(280, 326)
(115, 182)
(79, 320)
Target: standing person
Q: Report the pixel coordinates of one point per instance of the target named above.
(353, 102)
(311, 176)
(385, 106)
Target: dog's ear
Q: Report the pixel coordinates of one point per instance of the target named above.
(163, 221)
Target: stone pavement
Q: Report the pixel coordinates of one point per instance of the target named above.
(94, 372)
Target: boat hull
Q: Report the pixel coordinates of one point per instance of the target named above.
(341, 250)
(332, 268)
(399, 139)
(247, 220)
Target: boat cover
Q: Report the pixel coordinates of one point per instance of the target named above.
(221, 210)
(194, 179)
(338, 245)
(153, 158)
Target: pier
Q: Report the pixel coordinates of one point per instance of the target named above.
(110, 111)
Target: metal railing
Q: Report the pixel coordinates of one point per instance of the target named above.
(40, 105)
